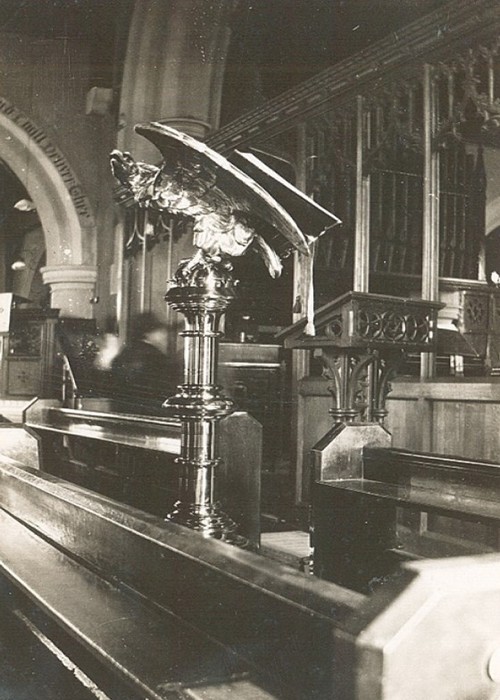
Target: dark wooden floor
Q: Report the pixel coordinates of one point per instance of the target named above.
(278, 509)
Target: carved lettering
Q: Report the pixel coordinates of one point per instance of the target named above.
(38, 135)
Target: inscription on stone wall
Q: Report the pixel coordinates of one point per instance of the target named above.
(38, 135)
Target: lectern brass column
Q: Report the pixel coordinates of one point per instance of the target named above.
(233, 207)
(202, 295)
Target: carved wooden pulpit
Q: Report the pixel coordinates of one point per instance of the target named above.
(362, 340)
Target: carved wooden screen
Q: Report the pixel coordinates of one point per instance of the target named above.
(461, 211)
(331, 181)
(394, 161)
(450, 56)
(468, 111)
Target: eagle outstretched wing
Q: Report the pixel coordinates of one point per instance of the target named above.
(232, 210)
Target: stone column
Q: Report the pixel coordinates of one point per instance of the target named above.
(174, 69)
(72, 289)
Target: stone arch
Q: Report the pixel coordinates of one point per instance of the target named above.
(63, 208)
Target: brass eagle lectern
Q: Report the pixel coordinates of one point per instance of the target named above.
(234, 206)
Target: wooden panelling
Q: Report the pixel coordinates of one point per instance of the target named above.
(457, 418)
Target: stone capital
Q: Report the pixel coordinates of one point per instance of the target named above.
(72, 288)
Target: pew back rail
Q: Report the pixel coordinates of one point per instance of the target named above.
(132, 458)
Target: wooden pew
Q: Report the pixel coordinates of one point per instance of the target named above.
(149, 609)
(131, 458)
(158, 605)
(398, 505)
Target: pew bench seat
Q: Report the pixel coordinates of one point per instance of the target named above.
(402, 505)
(157, 609)
(418, 498)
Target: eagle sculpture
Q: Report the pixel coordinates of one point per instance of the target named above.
(229, 203)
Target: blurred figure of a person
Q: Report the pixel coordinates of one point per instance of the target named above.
(109, 345)
(142, 374)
